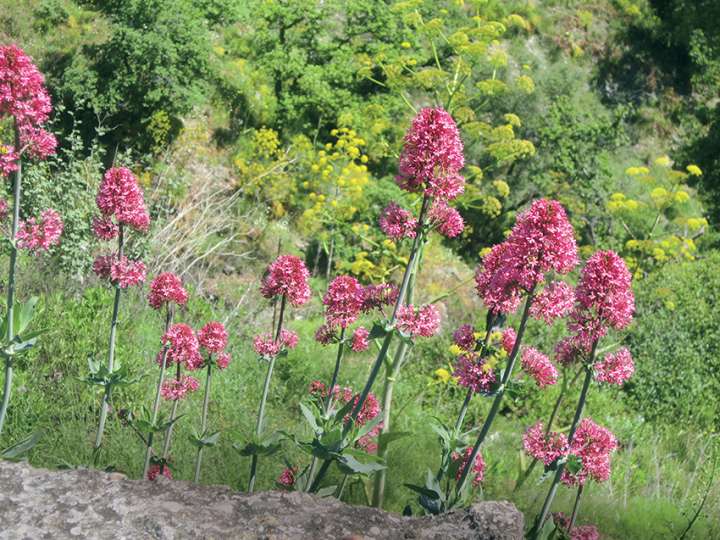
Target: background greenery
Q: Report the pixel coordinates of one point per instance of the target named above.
(264, 125)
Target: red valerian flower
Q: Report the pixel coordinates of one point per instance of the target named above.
(182, 345)
(541, 241)
(545, 448)
(360, 341)
(40, 234)
(343, 301)
(175, 389)
(213, 337)
(478, 469)
(464, 337)
(446, 219)
(156, 470)
(539, 367)
(593, 444)
(22, 88)
(432, 156)
(397, 223)
(287, 276)
(615, 368)
(424, 321)
(167, 288)
(121, 271)
(474, 373)
(556, 300)
(287, 477)
(120, 195)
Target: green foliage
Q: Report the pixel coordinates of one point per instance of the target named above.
(122, 82)
(675, 342)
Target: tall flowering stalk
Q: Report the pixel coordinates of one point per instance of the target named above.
(213, 339)
(430, 165)
(121, 204)
(541, 241)
(604, 301)
(344, 300)
(166, 291)
(25, 100)
(183, 348)
(286, 278)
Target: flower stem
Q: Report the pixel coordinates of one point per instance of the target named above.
(535, 532)
(382, 354)
(17, 192)
(390, 379)
(328, 402)
(156, 402)
(173, 415)
(263, 401)
(336, 371)
(576, 506)
(203, 426)
(498, 397)
(111, 355)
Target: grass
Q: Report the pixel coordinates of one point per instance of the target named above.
(659, 473)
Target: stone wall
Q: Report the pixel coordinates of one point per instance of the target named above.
(38, 503)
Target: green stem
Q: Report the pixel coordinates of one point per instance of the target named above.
(173, 415)
(156, 402)
(382, 354)
(328, 402)
(263, 401)
(535, 532)
(17, 192)
(498, 397)
(576, 506)
(336, 371)
(203, 426)
(111, 354)
(341, 488)
(390, 379)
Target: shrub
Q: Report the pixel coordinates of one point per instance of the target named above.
(675, 341)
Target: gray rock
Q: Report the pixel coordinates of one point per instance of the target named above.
(38, 503)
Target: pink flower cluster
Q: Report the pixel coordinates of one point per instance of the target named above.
(40, 234)
(166, 288)
(287, 276)
(287, 477)
(175, 389)
(8, 160)
(4, 209)
(446, 219)
(539, 367)
(432, 156)
(423, 321)
(182, 346)
(579, 532)
(343, 301)
(478, 469)
(266, 346)
(379, 296)
(360, 339)
(541, 240)
(397, 223)
(464, 337)
(569, 349)
(615, 368)
(122, 271)
(120, 196)
(326, 334)
(604, 298)
(509, 337)
(545, 448)
(473, 373)
(213, 337)
(23, 96)
(156, 470)
(555, 301)
(592, 444)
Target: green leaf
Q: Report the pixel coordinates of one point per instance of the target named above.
(385, 439)
(23, 314)
(378, 330)
(17, 450)
(350, 465)
(422, 490)
(548, 530)
(257, 448)
(368, 427)
(310, 418)
(327, 491)
(573, 464)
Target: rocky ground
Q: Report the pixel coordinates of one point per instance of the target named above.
(39, 503)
